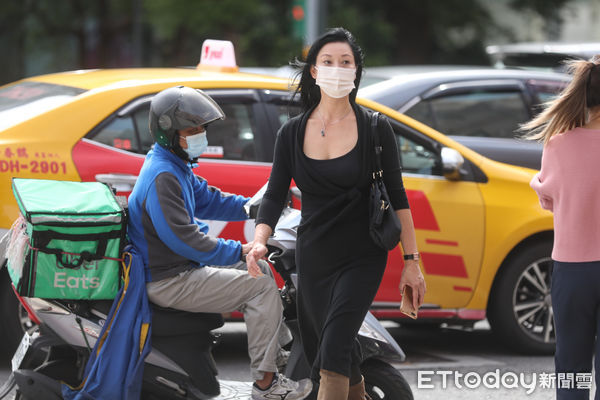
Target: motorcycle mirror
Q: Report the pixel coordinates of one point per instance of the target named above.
(253, 204)
(296, 192)
(294, 278)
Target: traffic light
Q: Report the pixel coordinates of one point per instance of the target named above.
(299, 18)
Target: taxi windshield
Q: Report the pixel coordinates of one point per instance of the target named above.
(25, 100)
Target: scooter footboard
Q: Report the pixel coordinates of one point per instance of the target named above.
(161, 383)
(192, 353)
(34, 385)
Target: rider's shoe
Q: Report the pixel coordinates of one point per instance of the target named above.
(283, 388)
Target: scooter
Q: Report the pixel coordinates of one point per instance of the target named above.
(180, 365)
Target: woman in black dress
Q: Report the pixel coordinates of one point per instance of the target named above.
(327, 150)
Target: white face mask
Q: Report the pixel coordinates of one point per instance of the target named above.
(196, 145)
(336, 82)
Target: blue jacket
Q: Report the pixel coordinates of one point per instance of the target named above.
(164, 208)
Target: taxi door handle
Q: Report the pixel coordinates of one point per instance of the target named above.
(121, 182)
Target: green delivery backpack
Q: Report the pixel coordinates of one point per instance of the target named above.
(74, 233)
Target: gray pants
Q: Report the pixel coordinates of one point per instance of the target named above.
(218, 289)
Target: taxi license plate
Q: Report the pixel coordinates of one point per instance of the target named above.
(22, 349)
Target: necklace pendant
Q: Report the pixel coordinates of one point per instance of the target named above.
(323, 132)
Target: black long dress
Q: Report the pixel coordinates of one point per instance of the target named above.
(339, 266)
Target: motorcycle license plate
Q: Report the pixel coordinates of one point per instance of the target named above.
(22, 349)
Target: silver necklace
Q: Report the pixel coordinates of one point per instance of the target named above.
(330, 123)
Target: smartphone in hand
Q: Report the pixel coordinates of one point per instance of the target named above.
(406, 306)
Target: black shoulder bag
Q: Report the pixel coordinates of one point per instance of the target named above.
(384, 225)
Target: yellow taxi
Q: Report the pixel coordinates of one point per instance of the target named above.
(485, 241)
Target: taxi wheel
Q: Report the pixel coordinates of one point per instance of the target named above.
(520, 308)
(15, 319)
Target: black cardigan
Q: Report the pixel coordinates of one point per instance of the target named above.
(289, 162)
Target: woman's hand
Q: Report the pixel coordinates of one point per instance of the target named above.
(257, 252)
(413, 277)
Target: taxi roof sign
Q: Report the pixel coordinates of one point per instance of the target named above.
(218, 55)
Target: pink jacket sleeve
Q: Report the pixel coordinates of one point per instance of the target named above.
(537, 185)
(540, 184)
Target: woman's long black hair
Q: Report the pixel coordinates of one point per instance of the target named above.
(310, 94)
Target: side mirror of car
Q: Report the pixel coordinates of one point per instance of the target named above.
(452, 162)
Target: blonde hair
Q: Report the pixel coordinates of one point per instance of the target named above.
(569, 109)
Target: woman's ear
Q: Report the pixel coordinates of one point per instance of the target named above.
(313, 72)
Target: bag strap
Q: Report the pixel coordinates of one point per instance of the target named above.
(377, 169)
(43, 238)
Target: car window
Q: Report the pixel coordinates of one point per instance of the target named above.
(27, 99)
(119, 133)
(416, 158)
(143, 128)
(546, 95)
(417, 153)
(231, 139)
(544, 91)
(479, 113)
(234, 137)
(285, 112)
